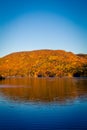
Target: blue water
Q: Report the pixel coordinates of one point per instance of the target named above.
(16, 114)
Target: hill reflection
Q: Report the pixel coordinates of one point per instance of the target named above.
(60, 90)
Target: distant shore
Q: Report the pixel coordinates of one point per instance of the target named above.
(43, 63)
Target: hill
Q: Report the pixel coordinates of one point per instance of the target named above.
(82, 55)
(42, 63)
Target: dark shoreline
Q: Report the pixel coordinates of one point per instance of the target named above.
(2, 77)
(47, 77)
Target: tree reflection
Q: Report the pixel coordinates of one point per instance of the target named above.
(59, 90)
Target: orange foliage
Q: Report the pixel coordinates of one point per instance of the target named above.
(43, 63)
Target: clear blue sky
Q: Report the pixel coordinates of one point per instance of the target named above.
(43, 24)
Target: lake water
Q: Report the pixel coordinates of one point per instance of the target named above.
(43, 104)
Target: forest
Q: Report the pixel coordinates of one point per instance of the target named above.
(43, 63)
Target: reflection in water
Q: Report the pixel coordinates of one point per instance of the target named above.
(35, 104)
(59, 90)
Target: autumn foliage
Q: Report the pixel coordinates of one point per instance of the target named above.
(43, 63)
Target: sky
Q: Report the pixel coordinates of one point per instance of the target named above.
(27, 25)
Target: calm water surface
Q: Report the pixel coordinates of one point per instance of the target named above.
(43, 104)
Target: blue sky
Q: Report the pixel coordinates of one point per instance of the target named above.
(43, 24)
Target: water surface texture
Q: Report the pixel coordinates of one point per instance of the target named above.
(43, 104)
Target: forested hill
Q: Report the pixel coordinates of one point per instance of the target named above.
(42, 63)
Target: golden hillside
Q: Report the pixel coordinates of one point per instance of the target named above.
(43, 63)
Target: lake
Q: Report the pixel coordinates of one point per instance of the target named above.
(43, 104)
